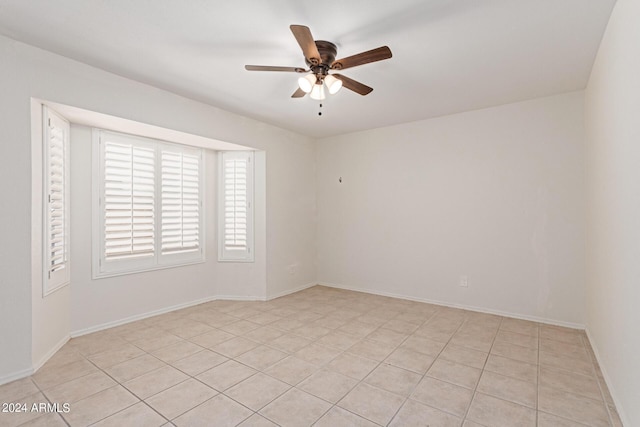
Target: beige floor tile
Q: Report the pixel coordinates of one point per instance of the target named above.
(235, 347)
(372, 403)
(287, 324)
(289, 343)
(96, 343)
(240, 327)
(413, 413)
(557, 333)
(291, 370)
(180, 398)
(423, 345)
(393, 379)
(520, 326)
(261, 357)
(387, 336)
(295, 408)
(337, 416)
(100, 405)
(177, 351)
(212, 338)
(464, 356)
(113, 357)
(140, 332)
(257, 420)
(226, 375)
(80, 388)
(263, 318)
(352, 366)
(490, 411)
(257, 391)
(133, 368)
(139, 415)
(22, 410)
(469, 423)
(455, 373)
(65, 355)
(264, 334)
(401, 326)
(150, 344)
(328, 385)
(317, 354)
(191, 330)
(552, 360)
(549, 420)
(442, 395)
(518, 339)
(507, 388)
(51, 376)
(374, 350)
(516, 352)
(566, 350)
(153, 382)
(16, 390)
(572, 406)
(512, 368)
(568, 381)
(217, 411)
(47, 420)
(338, 340)
(357, 329)
(329, 323)
(311, 331)
(199, 362)
(409, 359)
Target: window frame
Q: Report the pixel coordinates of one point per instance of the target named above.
(101, 267)
(225, 255)
(52, 281)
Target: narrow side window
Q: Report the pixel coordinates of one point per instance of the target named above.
(56, 201)
(235, 199)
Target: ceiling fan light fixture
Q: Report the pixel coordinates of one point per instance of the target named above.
(317, 92)
(307, 82)
(333, 84)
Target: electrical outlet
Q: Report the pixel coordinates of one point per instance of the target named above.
(292, 269)
(464, 281)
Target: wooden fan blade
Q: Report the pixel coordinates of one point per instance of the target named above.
(353, 85)
(372, 55)
(298, 93)
(306, 42)
(271, 68)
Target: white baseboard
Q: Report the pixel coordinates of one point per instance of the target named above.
(141, 316)
(16, 376)
(50, 353)
(607, 380)
(291, 291)
(462, 306)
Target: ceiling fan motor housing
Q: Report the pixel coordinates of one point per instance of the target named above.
(328, 53)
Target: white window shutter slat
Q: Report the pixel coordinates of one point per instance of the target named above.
(150, 204)
(56, 203)
(236, 213)
(129, 201)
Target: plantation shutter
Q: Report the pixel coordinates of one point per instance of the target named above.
(236, 195)
(180, 228)
(56, 190)
(129, 200)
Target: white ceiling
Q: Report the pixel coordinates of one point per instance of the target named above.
(448, 55)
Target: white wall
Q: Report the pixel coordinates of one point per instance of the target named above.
(613, 181)
(495, 194)
(28, 72)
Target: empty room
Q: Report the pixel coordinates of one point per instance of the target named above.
(335, 213)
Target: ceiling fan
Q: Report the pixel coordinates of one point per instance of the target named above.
(320, 57)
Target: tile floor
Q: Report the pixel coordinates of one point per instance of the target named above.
(321, 357)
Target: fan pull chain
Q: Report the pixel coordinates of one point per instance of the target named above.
(320, 110)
